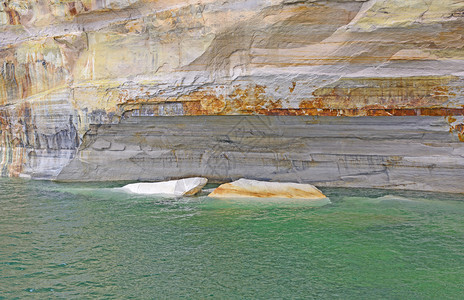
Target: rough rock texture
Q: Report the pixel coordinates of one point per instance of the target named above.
(182, 187)
(73, 70)
(385, 152)
(245, 188)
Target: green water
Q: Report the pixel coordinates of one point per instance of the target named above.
(91, 241)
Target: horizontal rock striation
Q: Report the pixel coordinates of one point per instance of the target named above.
(71, 71)
(383, 152)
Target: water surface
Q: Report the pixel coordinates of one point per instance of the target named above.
(92, 241)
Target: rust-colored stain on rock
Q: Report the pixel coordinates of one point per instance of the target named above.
(385, 93)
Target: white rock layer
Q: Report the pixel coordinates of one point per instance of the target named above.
(182, 187)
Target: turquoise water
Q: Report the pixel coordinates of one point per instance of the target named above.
(92, 241)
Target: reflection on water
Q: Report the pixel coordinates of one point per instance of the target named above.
(90, 240)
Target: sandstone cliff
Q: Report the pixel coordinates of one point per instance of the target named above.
(343, 92)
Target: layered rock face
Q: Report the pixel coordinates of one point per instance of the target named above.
(370, 93)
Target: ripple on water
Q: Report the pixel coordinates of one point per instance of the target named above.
(91, 241)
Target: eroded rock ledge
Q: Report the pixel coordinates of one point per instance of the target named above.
(385, 152)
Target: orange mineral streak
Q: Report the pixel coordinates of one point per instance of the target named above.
(292, 88)
(22, 79)
(248, 99)
(213, 104)
(458, 128)
(428, 96)
(13, 16)
(241, 100)
(382, 93)
(12, 151)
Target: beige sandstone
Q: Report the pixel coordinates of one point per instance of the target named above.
(245, 188)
